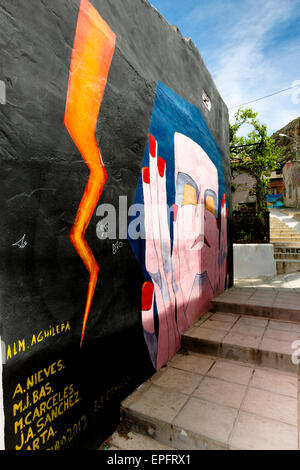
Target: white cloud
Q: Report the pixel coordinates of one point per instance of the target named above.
(251, 48)
(247, 68)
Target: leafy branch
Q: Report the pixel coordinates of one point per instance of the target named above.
(255, 154)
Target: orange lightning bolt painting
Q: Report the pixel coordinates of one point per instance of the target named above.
(93, 51)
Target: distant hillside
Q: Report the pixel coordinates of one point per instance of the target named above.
(289, 149)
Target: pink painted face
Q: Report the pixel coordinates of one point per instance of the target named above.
(196, 228)
(184, 275)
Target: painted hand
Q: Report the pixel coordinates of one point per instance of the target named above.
(159, 265)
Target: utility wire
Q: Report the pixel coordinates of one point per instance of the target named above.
(264, 97)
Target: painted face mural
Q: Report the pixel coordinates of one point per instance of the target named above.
(183, 257)
(89, 306)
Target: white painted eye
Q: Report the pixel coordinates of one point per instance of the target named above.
(206, 101)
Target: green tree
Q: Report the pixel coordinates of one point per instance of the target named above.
(255, 154)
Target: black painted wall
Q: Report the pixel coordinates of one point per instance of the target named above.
(43, 177)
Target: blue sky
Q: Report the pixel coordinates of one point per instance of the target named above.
(251, 48)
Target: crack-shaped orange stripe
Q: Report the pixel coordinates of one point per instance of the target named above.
(93, 51)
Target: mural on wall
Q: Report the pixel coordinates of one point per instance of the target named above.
(274, 200)
(183, 257)
(93, 51)
(91, 305)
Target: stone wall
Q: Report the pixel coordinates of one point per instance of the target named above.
(291, 181)
(244, 189)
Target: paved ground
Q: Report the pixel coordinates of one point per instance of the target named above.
(227, 404)
(288, 216)
(204, 401)
(261, 300)
(292, 212)
(233, 386)
(283, 281)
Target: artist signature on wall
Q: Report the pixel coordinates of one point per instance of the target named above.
(116, 247)
(22, 243)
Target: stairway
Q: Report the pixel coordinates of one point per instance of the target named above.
(282, 233)
(232, 386)
(286, 246)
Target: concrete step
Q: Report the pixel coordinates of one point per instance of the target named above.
(287, 266)
(277, 222)
(285, 232)
(262, 302)
(203, 402)
(292, 232)
(285, 240)
(284, 235)
(283, 226)
(277, 225)
(126, 439)
(283, 247)
(244, 338)
(283, 229)
(234, 385)
(279, 256)
(272, 241)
